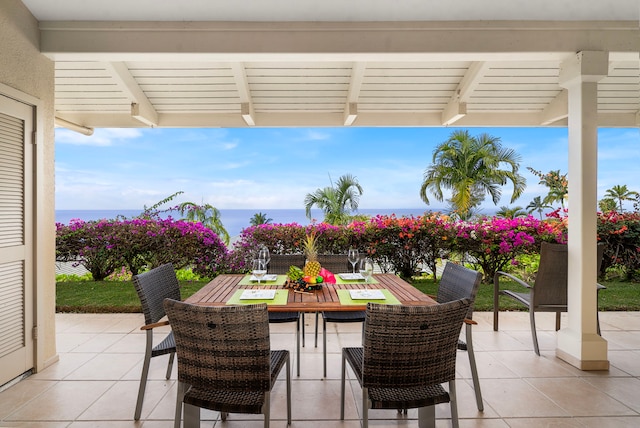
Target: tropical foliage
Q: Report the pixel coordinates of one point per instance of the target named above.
(336, 201)
(470, 168)
(260, 218)
(621, 193)
(557, 184)
(207, 215)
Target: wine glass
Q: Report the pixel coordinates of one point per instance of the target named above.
(259, 269)
(263, 254)
(366, 269)
(353, 258)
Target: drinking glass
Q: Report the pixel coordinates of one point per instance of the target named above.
(366, 269)
(259, 269)
(263, 254)
(353, 258)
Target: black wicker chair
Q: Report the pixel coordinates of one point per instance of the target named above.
(409, 351)
(336, 263)
(458, 282)
(280, 264)
(152, 288)
(225, 362)
(549, 291)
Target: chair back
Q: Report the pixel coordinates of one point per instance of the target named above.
(458, 282)
(335, 263)
(153, 287)
(280, 263)
(222, 348)
(407, 346)
(550, 286)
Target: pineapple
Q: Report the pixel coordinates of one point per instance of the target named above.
(312, 268)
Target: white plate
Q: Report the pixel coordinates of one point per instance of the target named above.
(268, 277)
(258, 295)
(367, 294)
(351, 276)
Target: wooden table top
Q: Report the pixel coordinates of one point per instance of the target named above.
(221, 289)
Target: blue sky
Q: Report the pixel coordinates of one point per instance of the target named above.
(269, 168)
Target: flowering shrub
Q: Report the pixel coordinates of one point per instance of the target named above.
(493, 242)
(106, 245)
(621, 234)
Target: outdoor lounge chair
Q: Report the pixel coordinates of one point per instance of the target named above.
(225, 362)
(458, 282)
(549, 291)
(336, 263)
(152, 288)
(408, 352)
(280, 264)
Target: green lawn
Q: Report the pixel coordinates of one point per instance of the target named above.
(120, 296)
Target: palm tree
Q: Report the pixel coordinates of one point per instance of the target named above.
(206, 214)
(621, 193)
(607, 204)
(537, 205)
(471, 167)
(337, 202)
(259, 218)
(507, 212)
(557, 183)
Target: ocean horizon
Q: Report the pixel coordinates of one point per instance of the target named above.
(234, 220)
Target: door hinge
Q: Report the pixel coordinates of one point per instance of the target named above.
(34, 333)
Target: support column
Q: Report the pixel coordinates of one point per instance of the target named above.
(579, 343)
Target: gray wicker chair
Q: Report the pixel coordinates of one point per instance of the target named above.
(152, 288)
(458, 282)
(225, 362)
(336, 263)
(409, 351)
(279, 264)
(549, 291)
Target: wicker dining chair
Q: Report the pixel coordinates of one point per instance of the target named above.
(336, 263)
(549, 290)
(458, 282)
(409, 351)
(280, 264)
(225, 362)
(152, 288)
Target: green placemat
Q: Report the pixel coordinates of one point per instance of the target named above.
(280, 299)
(356, 281)
(345, 299)
(279, 281)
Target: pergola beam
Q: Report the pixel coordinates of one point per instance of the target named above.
(244, 93)
(355, 84)
(141, 108)
(456, 109)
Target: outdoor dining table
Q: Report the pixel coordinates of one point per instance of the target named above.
(224, 290)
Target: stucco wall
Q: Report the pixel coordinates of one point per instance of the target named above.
(23, 68)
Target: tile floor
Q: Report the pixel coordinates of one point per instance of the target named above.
(95, 382)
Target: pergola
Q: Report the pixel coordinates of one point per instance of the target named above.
(293, 63)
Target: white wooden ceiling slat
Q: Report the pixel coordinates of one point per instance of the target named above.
(93, 101)
(311, 72)
(83, 80)
(187, 101)
(192, 94)
(293, 80)
(412, 73)
(297, 65)
(182, 72)
(185, 80)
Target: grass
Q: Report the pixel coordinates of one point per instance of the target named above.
(120, 296)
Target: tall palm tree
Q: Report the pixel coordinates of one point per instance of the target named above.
(206, 214)
(259, 218)
(621, 193)
(471, 167)
(337, 202)
(511, 212)
(537, 204)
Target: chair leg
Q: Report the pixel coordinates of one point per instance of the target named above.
(453, 403)
(289, 390)
(342, 388)
(302, 317)
(266, 407)
(316, 344)
(298, 344)
(179, 397)
(532, 317)
(474, 368)
(170, 365)
(365, 407)
(324, 346)
(427, 417)
(144, 375)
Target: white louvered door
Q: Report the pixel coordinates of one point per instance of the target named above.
(16, 288)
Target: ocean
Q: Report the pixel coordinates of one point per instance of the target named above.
(234, 220)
